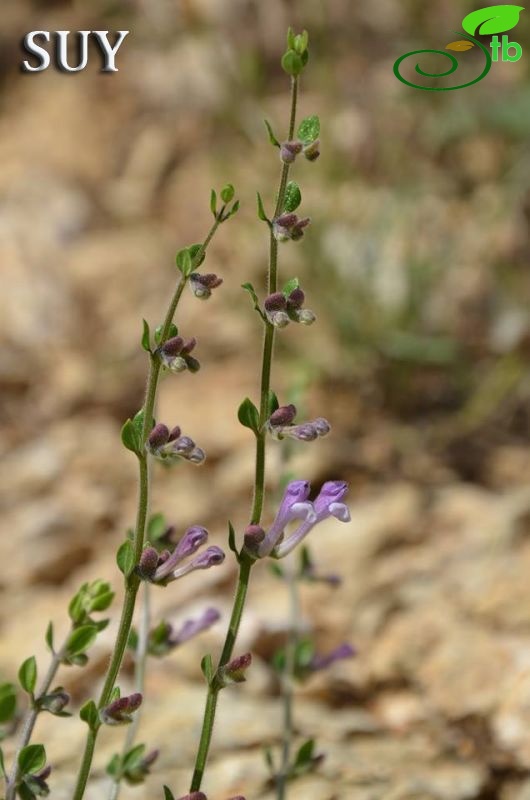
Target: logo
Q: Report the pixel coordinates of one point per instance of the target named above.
(492, 21)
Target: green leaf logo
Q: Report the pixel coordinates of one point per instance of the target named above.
(495, 19)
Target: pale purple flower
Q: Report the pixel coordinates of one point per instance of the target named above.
(194, 538)
(280, 425)
(294, 505)
(192, 627)
(170, 446)
(328, 503)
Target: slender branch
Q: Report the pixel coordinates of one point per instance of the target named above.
(133, 582)
(139, 674)
(31, 718)
(246, 563)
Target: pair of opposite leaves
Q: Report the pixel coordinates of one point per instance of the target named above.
(487, 21)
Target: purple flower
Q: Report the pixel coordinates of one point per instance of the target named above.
(192, 627)
(194, 538)
(294, 505)
(193, 796)
(320, 662)
(234, 671)
(175, 355)
(280, 425)
(289, 226)
(289, 150)
(327, 504)
(202, 285)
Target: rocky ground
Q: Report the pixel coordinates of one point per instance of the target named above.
(417, 268)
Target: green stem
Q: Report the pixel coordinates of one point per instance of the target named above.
(246, 563)
(133, 582)
(287, 685)
(31, 718)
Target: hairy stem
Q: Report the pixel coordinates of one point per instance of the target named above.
(31, 718)
(133, 582)
(246, 562)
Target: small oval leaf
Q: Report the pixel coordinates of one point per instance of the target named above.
(31, 759)
(27, 675)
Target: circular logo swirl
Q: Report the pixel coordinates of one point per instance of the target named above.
(450, 71)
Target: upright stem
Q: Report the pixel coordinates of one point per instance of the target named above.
(133, 582)
(246, 563)
(140, 666)
(287, 684)
(30, 720)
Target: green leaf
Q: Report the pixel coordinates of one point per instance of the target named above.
(309, 129)
(133, 757)
(293, 197)
(168, 794)
(494, 19)
(304, 756)
(27, 675)
(173, 331)
(49, 636)
(232, 539)
(207, 668)
(80, 640)
(290, 286)
(248, 415)
(233, 210)
(129, 437)
(292, 63)
(194, 250)
(290, 38)
(213, 202)
(8, 701)
(89, 714)
(184, 262)
(272, 403)
(272, 138)
(227, 193)
(156, 527)
(31, 759)
(114, 768)
(2, 764)
(261, 210)
(146, 337)
(125, 558)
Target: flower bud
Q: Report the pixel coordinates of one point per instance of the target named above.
(148, 563)
(192, 364)
(321, 426)
(284, 415)
(296, 299)
(173, 346)
(197, 456)
(174, 433)
(193, 538)
(120, 711)
(297, 230)
(193, 796)
(254, 535)
(188, 346)
(289, 151)
(279, 319)
(54, 702)
(305, 432)
(312, 150)
(158, 436)
(234, 671)
(305, 316)
(275, 302)
(183, 445)
(202, 285)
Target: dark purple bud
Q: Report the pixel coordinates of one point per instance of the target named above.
(158, 436)
(150, 758)
(209, 280)
(287, 220)
(44, 773)
(319, 662)
(173, 346)
(148, 562)
(275, 302)
(174, 433)
(234, 671)
(189, 345)
(254, 535)
(284, 415)
(120, 711)
(312, 151)
(296, 299)
(321, 426)
(192, 364)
